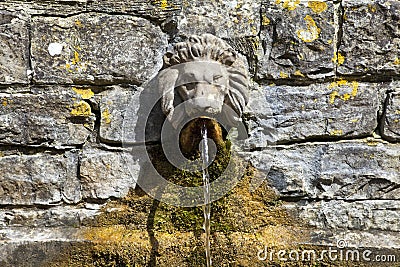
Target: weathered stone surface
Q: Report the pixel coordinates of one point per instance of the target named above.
(14, 48)
(382, 242)
(48, 7)
(224, 19)
(131, 115)
(366, 169)
(105, 174)
(93, 48)
(294, 113)
(113, 106)
(53, 217)
(156, 10)
(364, 215)
(42, 179)
(391, 119)
(298, 38)
(51, 116)
(371, 38)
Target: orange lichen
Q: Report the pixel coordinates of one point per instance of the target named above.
(288, 4)
(317, 6)
(332, 96)
(85, 93)
(283, 75)
(265, 20)
(78, 23)
(298, 73)
(106, 116)
(312, 32)
(372, 8)
(338, 58)
(342, 84)
(336, 132)
(164, 4)
(81, 109)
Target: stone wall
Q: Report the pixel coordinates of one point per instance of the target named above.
(325, 74)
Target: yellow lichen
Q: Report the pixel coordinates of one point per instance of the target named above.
(265, 20)
(164, 4)
(298, 73)
(372, 8)
(4, 103)
(396, 61)
(354, 84)
(329, 41)
(338, 58)
(85, 93)
(336, 132)
(81, 109)
(106, 116)
(312, 32)
(346, 96)
(317, 6)
(283, 75)
(78, 23)
(76, 58)
(288, 4)
(354, 120)
(76, 63)
(254, 30)
(332, 96)
(397, 112)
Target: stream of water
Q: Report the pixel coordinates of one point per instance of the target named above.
(207, 204)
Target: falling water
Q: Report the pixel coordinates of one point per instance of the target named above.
(207, 204)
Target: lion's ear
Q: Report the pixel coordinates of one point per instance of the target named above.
(166, 87)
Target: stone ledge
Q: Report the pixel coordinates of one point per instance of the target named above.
(365, 215)
(346, 170)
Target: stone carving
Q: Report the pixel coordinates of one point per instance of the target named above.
(208, 76)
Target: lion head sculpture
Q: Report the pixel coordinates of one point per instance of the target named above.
(208, 76)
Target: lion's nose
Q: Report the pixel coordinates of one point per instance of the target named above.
(205, 99)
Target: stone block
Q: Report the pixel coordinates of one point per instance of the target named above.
(391, 119)
(298, 39)
(364, 215)
(39, 179)
(356, 170)
(105, 174)
(370, 44)
(224, 19)
(14, 48)
(96, 49)
(52, 116)
(296, 113)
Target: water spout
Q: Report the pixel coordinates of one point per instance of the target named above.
(206, 182)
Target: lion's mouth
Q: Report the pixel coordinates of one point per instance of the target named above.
(190, 136)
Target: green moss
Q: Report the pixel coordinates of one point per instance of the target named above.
(140, 231)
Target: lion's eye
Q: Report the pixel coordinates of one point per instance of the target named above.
(190, 86)
(190, 77)
(217, 77)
